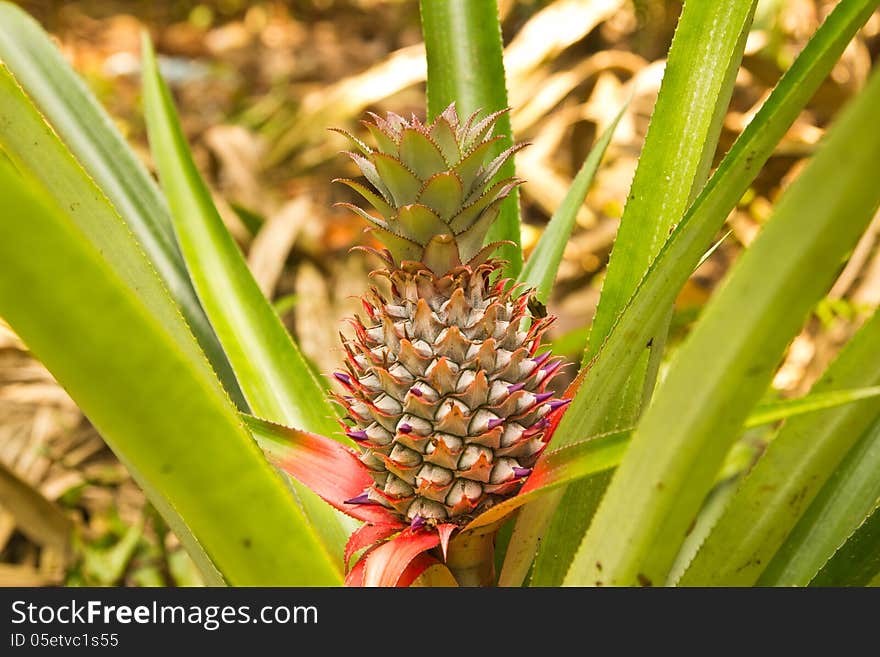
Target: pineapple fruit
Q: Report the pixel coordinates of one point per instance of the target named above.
(445, 394)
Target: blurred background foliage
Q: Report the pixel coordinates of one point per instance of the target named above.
(258, 83)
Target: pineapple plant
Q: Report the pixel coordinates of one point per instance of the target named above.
(449, 421)
(446, 396)
(446, 393)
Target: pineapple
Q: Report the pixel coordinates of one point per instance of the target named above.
(445, 394)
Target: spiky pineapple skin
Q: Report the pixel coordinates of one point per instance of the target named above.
(446, 397)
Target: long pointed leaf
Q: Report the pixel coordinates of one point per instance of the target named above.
(720, 371)
(857, 563)
(701, 68)
(562, 466)
(815, 401)
(558, 467)
(93, 138)
(695, 233)
(586, 460)
(329, 469)
(794, 467)
(465, 66)
(275, 379)
(35, 148)
(163, 413)
(846, 499)
(273, 374)
(540, 270)
(681, 141)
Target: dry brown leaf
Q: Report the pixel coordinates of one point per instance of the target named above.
(14, 575)
(36, 517)
(549, 32)
(271, 246)
(240, 153)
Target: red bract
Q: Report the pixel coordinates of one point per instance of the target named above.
(394, 553)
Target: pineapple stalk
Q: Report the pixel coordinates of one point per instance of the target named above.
(471, 557)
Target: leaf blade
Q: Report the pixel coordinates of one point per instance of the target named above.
(646, 511)
(856, 563)
(91, 135)
(845, 501)
(274, 377)
(682, 136)
(815, 401)
(326, 467)
(539, 271)
(33, 147)
(159, 410)
(465, 66)
(558, 467)
(695, 233)
(794, 467)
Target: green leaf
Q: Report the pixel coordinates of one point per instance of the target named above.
(273, 374)
(712, 508)
(559, 467)
(445, 137)
(274, 377)
(372, 174)
(578, 460)
(91, 135)
(621, 350)
(403, 248)
(373, 199)
(791, 472)
(701, 68)
(162, 411)
(518, 560)
(471, 214)
(719, 372)
(846, 499)
(696, 232)
(540, 270)
(465, 66)
(856, 563)
(34, 148)
(420, 222)
(474, 163)
(815, 401)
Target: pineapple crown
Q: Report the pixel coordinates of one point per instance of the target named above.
(432, 185)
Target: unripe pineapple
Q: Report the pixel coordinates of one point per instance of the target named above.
(446, 396)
